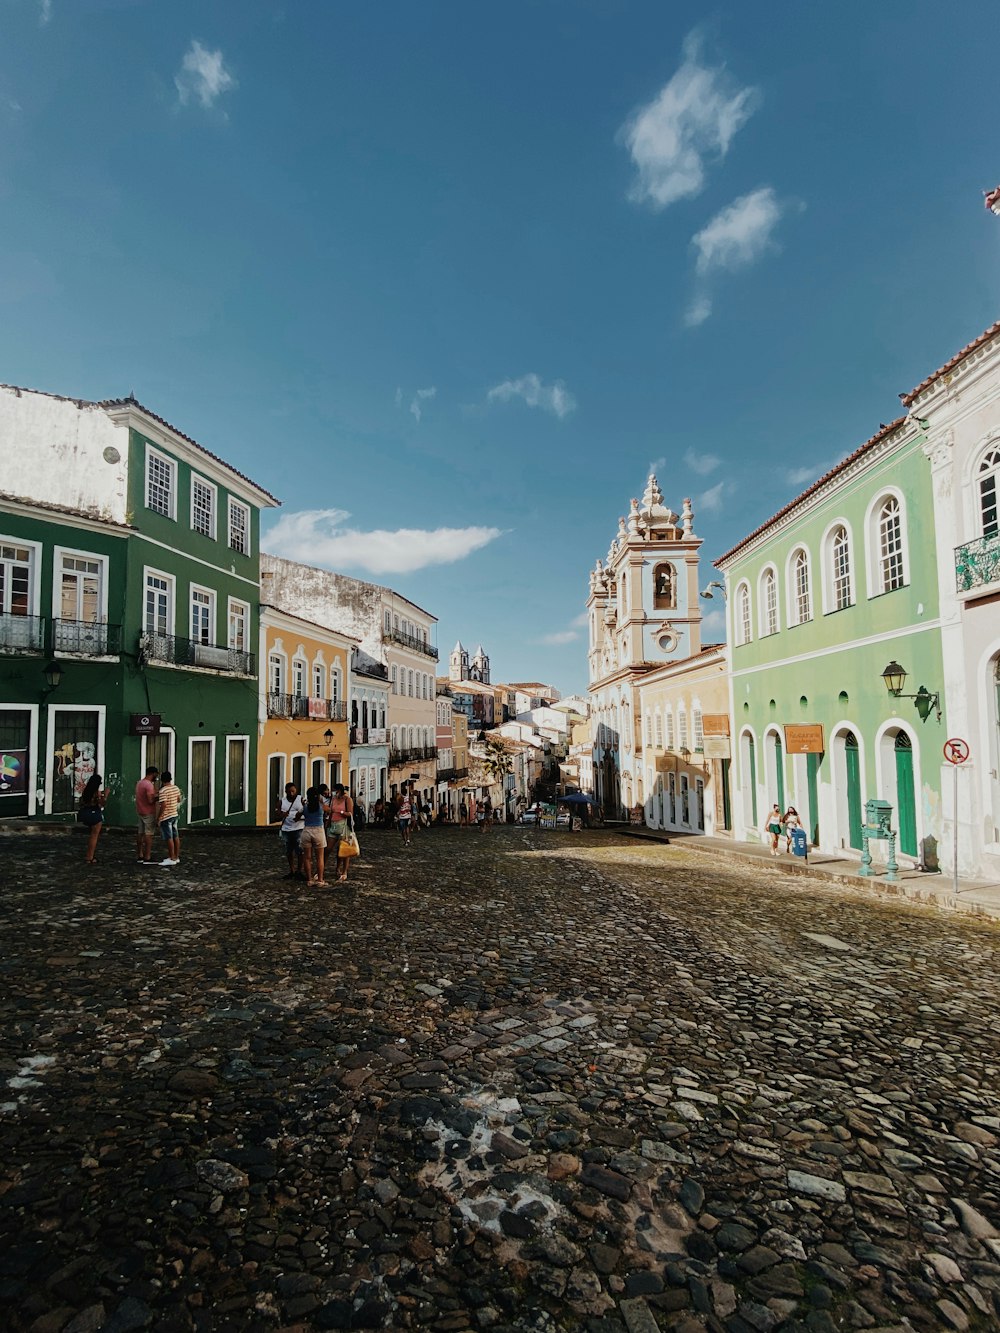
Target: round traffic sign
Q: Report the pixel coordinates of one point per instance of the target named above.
(956, 751)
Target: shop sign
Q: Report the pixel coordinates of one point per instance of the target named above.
(717, 747)
(715, 724)
(144, 724)
(804, 738)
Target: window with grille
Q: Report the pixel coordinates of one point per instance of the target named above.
(987, 475)
(743, 613)
(159, 610)
(392, 680)
(803, 601)
(317, 692)
(276, 674)
(203, 507)
(840, 556)
(682, 729)
(670, 728)
(890, 546)
(239, 615)
(239, 527)
(658, 723)
(160, 488)
(202, 615)
(699, 729)
(769, 602)
(80, 588)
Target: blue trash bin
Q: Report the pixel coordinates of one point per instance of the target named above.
(800, 843)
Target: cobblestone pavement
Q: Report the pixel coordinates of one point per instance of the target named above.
(518, 1081)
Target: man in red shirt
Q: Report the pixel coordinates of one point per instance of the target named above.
(145, 813)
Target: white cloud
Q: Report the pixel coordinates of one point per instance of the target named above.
(554, 398)
(657, 465)
(320, 537)
(800, 475)
(421, 396)
(560, 636)
(698, 311)
(203, 76)
(703, 464)
(713, 623)
(693, 117)
(739, 234)
(45, 12)
(582, 619)
(711, 500)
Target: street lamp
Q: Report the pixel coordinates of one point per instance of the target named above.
(707, 592)
(53, 674)
(923, 701)
(325, 743)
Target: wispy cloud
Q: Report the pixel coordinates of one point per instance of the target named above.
(560, 636)
(554, 398)
(739, 235)
(713, 623)
(711, 500)
(321, 537)
(692, 119)
(798, 476)
(657, 465)
(703, 464)
(203, 77)
(579, 621)
(45, 12)
(419, 398)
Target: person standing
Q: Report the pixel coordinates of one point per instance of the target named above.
(773, 828)
(486, 815)
(463, 814)
(404, 814)
(312, 840)
(291, 812)
(145, 814)
(341, 811)
(91, 815)
(791, 822)
(168, 806)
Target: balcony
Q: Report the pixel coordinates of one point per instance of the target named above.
(302, 706)
(412, 641)
(21, 634)
(86, 638)
(977, 564)
(175, 651)
(451, 774)
(416, 755)
(369, 736)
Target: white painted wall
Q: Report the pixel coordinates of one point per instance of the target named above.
(52, 451)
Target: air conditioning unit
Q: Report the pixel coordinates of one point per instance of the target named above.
(206, 655)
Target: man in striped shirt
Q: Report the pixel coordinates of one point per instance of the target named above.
(167, 806)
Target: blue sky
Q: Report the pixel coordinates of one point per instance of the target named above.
(448, 278)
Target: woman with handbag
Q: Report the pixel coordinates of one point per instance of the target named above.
(341, 812)
(91, 815)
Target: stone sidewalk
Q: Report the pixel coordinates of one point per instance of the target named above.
(517, 1081)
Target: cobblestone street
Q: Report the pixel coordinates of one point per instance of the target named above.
(518, 1081)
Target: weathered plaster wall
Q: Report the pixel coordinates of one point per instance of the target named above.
(52, 451)
(334, 600)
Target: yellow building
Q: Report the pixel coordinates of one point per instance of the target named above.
(303, 725)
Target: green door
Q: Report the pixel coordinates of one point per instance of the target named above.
(907, 814)
(812, 785)
(853, 764)
(753, 778)
(779, 768)
(727, 810)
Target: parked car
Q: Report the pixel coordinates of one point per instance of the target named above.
(530, 815)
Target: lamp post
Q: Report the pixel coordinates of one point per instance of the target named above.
(923, 701)
(53, 673)
(706, 592)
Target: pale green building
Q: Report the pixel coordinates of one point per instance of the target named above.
(821, 599)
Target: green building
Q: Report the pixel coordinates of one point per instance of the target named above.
(821, 599)
(129, 611)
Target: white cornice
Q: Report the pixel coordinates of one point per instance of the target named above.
(26, 509)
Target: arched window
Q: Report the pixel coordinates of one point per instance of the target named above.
(840, 568)
(988, 481)
(335, 683)
(317, 686)
(409, 684)
(768, 603)
(699, 729)
(890, 546)
(299, 677)
(664, 589)
(743, 614)
(801, 594)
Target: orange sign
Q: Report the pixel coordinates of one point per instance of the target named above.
(715, 724)
(804, 738)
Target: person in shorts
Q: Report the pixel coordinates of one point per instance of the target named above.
(291, 812)
(145, 814)
(312, 840)
(168, 805)
(404, 816)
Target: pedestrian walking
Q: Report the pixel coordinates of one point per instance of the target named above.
(341, 812)
(463, 814)
(485, 815)
(404, 814)
(168, 804)
(145, 814)
(773, 828)
(792, 822)
(312, 840)
(91, 815)
(291, 812)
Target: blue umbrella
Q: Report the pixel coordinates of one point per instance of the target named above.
(576, 798)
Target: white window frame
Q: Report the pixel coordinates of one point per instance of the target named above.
(171, 751)
(58, 555)
(276, 655)
(299, 661)
(873, 542)
(668, 718)
(768, 615)
(213, 490)
(148, 572)
(830, 603)
(234, 604)
(50, 731)
(245, 740)
(171, 465)
(188, 803)
(34, 571)
(245, 508)
(980, 473)
(336, 683)
(743, 622)
(318, 683)
(795, 616)
(213, 612)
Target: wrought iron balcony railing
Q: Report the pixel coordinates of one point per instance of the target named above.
(86, 638)
(413, 641)
(302, 706)
(21, 634)
(369, 736)
(450, 774)
(977, 564)
(414, 755)
(171, 648)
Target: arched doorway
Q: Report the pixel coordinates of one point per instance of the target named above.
(775, 769)
(848, 790)
(748, 779)
(906, 806)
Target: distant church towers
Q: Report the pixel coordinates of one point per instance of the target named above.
(461, 668)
